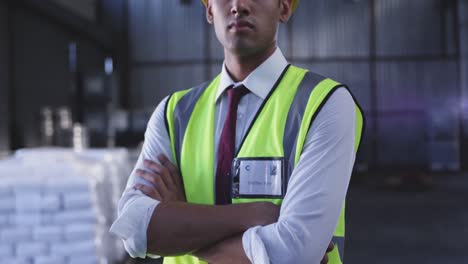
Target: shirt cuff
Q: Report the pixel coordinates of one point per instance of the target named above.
(253, 246)
(132, 223)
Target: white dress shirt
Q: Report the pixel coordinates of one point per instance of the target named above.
(316, 190)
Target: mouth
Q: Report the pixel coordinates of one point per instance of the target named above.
(240, 25)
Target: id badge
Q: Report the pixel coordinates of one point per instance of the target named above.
(258, 178)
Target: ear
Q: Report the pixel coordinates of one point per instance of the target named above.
(209, 12)
(285, 12)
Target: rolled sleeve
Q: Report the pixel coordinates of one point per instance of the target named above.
(316, 191)
(132, 223)
(135, 209)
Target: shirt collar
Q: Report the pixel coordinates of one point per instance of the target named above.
(261, 80)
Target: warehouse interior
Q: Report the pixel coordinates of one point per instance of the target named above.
(79, 81)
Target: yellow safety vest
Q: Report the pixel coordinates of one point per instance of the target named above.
(279, 130)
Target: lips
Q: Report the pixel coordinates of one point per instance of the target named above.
(240, 24)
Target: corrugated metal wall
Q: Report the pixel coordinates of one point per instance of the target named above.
(168, 48)
(417, 81)
(463, 22)
(166, 30)
(398, 57)
(331, 28)
(416, 27)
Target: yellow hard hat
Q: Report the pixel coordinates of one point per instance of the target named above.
(293, 4)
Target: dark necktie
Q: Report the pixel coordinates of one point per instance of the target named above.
(227, 146)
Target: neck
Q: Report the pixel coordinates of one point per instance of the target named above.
(239, 67)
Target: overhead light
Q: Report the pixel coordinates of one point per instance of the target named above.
(108, 66)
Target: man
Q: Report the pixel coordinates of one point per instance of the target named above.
(220, 158)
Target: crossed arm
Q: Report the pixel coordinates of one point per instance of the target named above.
(178, 228)
(211, 233)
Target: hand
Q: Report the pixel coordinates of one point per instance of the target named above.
(166, 180)
(331, 246)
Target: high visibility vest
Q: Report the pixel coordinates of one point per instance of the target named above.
(278, 130)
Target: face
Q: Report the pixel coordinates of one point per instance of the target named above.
(246, 27)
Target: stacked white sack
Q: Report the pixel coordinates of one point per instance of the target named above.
(116, 163)
(56, 207)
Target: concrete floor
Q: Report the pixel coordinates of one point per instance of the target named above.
(406, 225)
(409, 225)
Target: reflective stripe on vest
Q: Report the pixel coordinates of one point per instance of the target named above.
(285, 115)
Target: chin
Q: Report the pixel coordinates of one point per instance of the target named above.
(243, 48)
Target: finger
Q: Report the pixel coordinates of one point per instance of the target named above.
(331, 246)
(161, 170)
(148, 176)
(153, 166)
(147, 190)
(324, 260)
(151, 192)
(171, 167)
(155, 179)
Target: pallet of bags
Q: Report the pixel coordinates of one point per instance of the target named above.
(56, 207)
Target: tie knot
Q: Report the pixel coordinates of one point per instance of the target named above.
(236, 93)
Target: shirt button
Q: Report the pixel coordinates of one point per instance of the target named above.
(240, 116)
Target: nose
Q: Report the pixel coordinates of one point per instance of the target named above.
(240, 8)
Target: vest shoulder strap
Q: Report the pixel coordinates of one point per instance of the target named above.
(178, 111)
(295, 116)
